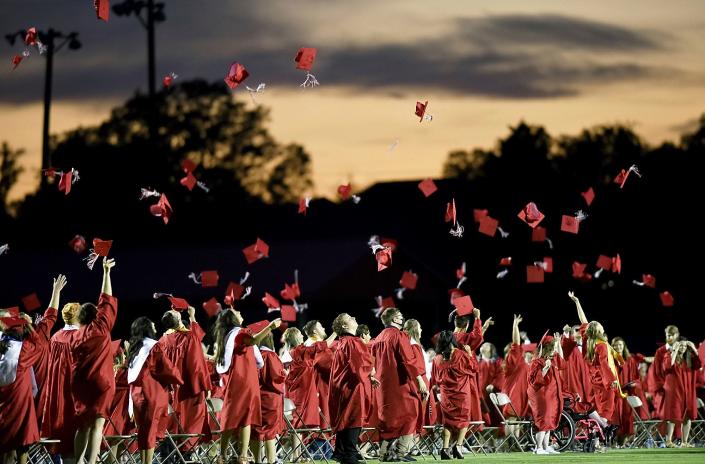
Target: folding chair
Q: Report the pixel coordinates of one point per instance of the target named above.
(523, 440)
(176, 443)
(643, 429)
(299, 437)
(474, 440)
(38, 452)
(431, 442)
(209, 452)
(123, 443)
(697, 426)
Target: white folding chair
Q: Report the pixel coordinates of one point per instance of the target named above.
(38, 452)
(298, 437)
(523, 440)
(643, 429)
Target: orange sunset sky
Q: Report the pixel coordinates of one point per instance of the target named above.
(483, 65)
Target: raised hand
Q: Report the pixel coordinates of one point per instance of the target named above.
(108, 264)
(476, 313)
(59, 283)
(275, 323)
(572, 296)
(517, 319)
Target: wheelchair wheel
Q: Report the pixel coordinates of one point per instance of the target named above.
(562, 437)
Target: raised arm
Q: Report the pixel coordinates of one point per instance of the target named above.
(489, 322)
(107, 288)
(331, 339)
(516, 337)
(581, 313)
(59, 283)
(259, 336)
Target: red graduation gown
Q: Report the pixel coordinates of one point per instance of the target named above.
(322, 365)
(428, 407)
(679, 398)
(92, 375)
(18, 417)
(150, 397)
(56, 402)
(629, 372)
(515, 382)
(601, 377)
(301, 384)
(241, 399)
(183, 349)
(41, 373)
(271, 384)
(473, 339)
(489, 373)
(119, 422)
(576, 376)
(658, 377)
(545, 394)
(398, 406)
(352, 363)
(453, 377)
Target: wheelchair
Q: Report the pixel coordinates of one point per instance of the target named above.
(576, 431)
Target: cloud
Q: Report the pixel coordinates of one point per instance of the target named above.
(499, 56)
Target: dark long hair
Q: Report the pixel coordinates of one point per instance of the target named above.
(225, 323)
(446, 343)
(141, 327)
(13, 334)
(87, 313)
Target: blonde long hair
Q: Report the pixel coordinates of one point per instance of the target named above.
(592, 338)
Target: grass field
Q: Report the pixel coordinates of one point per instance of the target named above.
(641, 456)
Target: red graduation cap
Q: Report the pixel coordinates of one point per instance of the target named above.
(212, 307)
(455, 293)
(428, 187)
(344, 191)
(303, 205)
(507, 261)
(178, 304)
(388, 302)
(531, 214)
(31, 302)
(604, 262)
(189, 181)
(488, 226)
(527, 347)
(538, 234)
(102, 247)
(257, 327)
(579, 271)
(16, 60)
(209, 279)
(236, 75)
(588, 195)
(421, 109)
(534, 274)
(621, 178)
(12, 312)
(546, 338)
(408, 280)
(569, 224)
(257, 251)
(290, 292)
(13, 322)
(451, 213)
(78, 244)
(617, 264)
(478, 214)
(270, 301)
(666, 299)
(187, 165)
(305, 58)
(102, 9)
(162, 209)
(389, 243)
(167, 80)
(233, 292)
(288, 313)
(65, 182)
(649, 280)
(383, 257)
(463, 305)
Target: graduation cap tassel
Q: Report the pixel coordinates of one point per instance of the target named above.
(195, 278)
(146, 193)
(4, 249)
(91, 259)
(502, 232)
(203, 186)
(457, 231)
(245, 277)
(450, 316)
(502, 274)
(310, 81)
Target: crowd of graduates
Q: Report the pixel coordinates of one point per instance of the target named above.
(78, 385)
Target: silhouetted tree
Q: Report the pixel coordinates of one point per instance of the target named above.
(9, 169)
(467, 164)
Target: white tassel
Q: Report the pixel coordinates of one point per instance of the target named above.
(640, 284)
(156, 295)
(461, 281)
(633, 168)
(146, 193)
(300, 307)
(541, 264)
(502, 274)
(310, 81)
(598, 273)
(4, 249)
(203, 186)
(580, 215)
(247, 292)
(74, 176)
(91, 259)
(195, 278)
(245, 277)
(400, 293)
(502, 232)
(428, 117)
(458, 231)
(550, 243)
(355, 199)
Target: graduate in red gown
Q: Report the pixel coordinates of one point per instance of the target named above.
(149, 374)
(680, 403)
(397, 398)
(472, 338)
(450, 376)
(182, 346)
(489, 379)
(656, 374)
(630, 380)
(301, 380)
(119, 422)
(427, 407)
(20, 345)
(56, 403)
(576, 376)
(352, 366)
(370, 419)
(516, 368)
(316, 333)
(271, 384)
(238, 358)
(545, 391)
(92, 375)
(603, 371)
